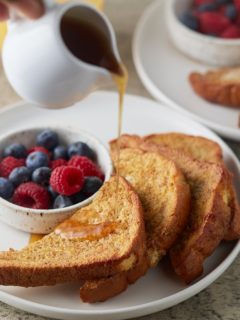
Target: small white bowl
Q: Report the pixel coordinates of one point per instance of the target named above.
(44, 221)
(209, 50)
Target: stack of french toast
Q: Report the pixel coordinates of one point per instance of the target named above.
(174, 196)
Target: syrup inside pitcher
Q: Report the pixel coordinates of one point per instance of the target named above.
(88, 43)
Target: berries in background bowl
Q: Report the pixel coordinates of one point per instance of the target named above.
(203, 34)
(213, 17)
(49, 183)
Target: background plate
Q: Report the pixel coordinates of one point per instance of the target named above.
(160, 288)
(164, 72)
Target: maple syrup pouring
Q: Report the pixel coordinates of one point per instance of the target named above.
(121, 83)
(92, 46)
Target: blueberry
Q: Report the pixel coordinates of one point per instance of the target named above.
(223, 2)
(47, 139)
(91, 185)
(6, 188)
(16, 150)
(189, 21)
(81, 149)
(62, 202)
(36, 160)
(52, 192)
(60, 152)
(20, 175)
(231, 12)
(41, 176)
(79, 197)
(205, 7)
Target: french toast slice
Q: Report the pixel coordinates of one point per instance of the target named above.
(197, 147)
(220, 86)
(164, 194)
(202, 149)
(165, 197)
(97, 241)
(210, 212)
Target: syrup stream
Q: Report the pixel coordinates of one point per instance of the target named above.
(121, 84)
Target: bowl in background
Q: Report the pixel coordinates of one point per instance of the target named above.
(206, 49)
(43, 221)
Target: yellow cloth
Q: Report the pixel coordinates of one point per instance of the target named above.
(3, 26)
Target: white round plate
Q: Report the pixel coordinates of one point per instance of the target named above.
(164, 72)
(160, 288)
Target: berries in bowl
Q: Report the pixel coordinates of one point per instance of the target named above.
(48, 173)
(206, 30)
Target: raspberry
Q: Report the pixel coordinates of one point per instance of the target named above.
(57, 163)
(88, 167)
(8, 164)
(31, 195)
(212, 22)
(237, 4)
(232, 32)
(222, 10)
(67, 180)
(237, 21)
(39, 148)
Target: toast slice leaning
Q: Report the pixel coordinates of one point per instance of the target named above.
(165, 197)
(97, 241)
(210, 212)
(204, 150)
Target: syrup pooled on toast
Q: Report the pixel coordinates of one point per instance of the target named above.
(35, 237)
(71, 229)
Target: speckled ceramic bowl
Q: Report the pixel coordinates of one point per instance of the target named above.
(43, 221)
(209, 50)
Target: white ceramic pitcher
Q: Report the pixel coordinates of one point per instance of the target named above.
(40, 67)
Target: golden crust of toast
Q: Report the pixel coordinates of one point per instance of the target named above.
(57, 259)
(197, 147)
(233, 232)
(210, 212)
(221, 86)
